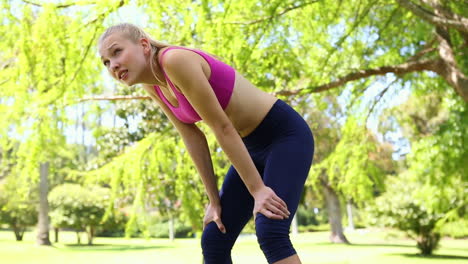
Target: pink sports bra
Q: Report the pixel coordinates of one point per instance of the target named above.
(222, 80)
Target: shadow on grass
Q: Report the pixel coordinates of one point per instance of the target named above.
(367, 245)
(432, 256)
(109, 247)
(384, 245)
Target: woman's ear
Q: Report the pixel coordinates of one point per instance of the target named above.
(146, 46)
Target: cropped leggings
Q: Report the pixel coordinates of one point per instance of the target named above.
(281, 147)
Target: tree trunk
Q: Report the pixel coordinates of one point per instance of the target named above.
(19, 233)
(171, 228)
(334, 216)
(349, 210)
(56, 234)
(43, 225)
(90, 232)
(78, 237)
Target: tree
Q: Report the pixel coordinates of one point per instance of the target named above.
(43, 225)
(16, 210)
(400, 208)
(349, 162)
(74, 206)
(352, 170)
(43, 69)
(288, 48)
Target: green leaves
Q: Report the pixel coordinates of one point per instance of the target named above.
(352, 168)
(74, 206)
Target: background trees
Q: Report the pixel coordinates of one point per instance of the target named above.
(340, 63)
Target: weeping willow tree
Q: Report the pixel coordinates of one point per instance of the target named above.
(300, 50)
(44, 69)
(156, 176)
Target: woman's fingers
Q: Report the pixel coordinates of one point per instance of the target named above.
(220, 225)
(270, 204)
(283, 204)
(279, 208)
(271, 215)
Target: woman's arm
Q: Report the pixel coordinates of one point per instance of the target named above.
(197, 146)
(185, 70)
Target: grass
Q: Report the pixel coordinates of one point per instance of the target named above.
(369, 246)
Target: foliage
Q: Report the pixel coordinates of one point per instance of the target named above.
(400, 207)
(438, 152)
(154, 175)
(456, 229)
(16, 211)
(306, 217)
(432, 191)
(353, 167)
(113, 226)
(77, 207)
(160, 229)
(278, 45)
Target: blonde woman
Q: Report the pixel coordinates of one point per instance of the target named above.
(269, 144)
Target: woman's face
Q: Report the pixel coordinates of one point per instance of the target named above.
(126, 61)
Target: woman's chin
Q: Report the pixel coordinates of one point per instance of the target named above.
(128, 82)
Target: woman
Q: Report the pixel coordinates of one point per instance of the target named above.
(268, 143)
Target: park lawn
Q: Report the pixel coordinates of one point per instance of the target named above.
(374, 246)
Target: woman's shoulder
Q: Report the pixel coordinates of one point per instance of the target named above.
(176, 58)
(181, 53)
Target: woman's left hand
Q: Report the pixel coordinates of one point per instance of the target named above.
(269, 204)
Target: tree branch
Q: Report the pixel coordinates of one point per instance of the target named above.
(442, 11)
(407, 67)
(427, 48)
(457, 22)
(447, 65)
(62, 5)
(114, 98)
(378, 98)
(273, 16)
(404, 68)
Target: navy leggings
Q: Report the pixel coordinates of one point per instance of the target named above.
(281, 147)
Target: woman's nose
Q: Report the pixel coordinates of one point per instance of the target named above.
(114, 66)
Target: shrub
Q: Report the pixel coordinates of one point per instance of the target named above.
(79, 208)
(400, 208)
(457, 229)
(113, 226)
(17, 212)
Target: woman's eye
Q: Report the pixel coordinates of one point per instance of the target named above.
(106, 63)
(116, 51)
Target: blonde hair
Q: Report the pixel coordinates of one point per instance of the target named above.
(134, 34)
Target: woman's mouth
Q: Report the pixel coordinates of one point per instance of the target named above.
(123, 75)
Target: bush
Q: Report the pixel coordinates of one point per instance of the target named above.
(400, 208)
(161, 230)
(79, 208)
(457, 229)
(113, 226)
(306, 216)
(16, 211)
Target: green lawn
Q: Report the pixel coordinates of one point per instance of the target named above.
(368, 247)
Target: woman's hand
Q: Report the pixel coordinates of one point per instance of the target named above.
(269, 204)
(213, 214)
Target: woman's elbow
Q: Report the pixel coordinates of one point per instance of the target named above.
(225, 129)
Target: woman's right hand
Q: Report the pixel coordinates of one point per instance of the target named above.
(269, 204)
(213, 214)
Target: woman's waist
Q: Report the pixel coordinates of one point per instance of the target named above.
(246, 118)
(281, 121)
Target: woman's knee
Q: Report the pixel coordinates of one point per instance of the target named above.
(214, 243)
(273, 238)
